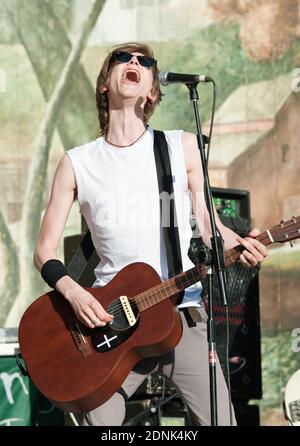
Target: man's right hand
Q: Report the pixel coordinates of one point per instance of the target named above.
(86, 308)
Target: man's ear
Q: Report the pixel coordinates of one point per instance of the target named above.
(152, 97)
(103, 88)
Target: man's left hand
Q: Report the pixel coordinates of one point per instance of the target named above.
(255, 252)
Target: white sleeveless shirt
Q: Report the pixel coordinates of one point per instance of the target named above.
(118, 195)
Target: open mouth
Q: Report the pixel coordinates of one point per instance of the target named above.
(131, 76)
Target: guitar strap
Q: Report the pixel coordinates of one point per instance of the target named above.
(81, 257)
(84, 251)
(168, 214)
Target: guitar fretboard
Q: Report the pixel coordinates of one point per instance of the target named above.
(185, 279)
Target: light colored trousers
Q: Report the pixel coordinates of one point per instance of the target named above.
(187, 367)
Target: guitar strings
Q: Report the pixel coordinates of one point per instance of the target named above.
(237, 313)
(116, 308)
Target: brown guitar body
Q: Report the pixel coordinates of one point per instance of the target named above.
(64, 364)
(79, 368)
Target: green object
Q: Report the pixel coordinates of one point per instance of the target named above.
(226, 207)
(21, 404)
(172, 421)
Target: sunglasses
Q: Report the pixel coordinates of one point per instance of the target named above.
(124, 57)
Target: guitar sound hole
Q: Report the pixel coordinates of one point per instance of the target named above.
(120, 321)
(111, 335)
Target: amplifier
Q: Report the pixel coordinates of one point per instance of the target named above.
(233, 207)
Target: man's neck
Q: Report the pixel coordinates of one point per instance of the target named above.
(125, 125)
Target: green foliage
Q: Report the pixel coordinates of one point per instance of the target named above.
(8, 34)
(63, 9)
(215, 51)
(279, 362)
(22, 104)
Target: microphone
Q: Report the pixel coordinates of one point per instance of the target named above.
(166, 78)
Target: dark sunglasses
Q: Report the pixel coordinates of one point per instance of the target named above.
(124, 57)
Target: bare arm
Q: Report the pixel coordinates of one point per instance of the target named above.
(63, 193)
(254, 252)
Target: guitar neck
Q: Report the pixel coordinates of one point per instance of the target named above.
(232, 255)
(185, 279)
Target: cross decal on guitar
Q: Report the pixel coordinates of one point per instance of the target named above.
(107, 341)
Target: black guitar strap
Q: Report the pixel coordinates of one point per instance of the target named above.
(167, 205)
(81, 257)
(83, 253)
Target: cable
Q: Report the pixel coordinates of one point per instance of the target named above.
(236, 360)
(227, 367)
(162, 397)
(154, 407)
(213, 109)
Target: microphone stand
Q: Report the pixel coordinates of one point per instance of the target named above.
(216, 265)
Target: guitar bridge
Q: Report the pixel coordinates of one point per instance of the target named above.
(79, 339)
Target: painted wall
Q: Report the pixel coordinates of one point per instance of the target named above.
(251, 49)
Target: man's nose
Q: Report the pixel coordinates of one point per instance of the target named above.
(134, 60)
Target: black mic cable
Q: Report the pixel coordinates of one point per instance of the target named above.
(227, 367)
(212, 118)
(167, 78)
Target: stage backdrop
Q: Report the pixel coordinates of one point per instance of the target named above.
(49, 61)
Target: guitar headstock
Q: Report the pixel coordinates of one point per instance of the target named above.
(286, 231)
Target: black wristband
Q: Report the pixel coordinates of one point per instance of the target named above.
(52, 271)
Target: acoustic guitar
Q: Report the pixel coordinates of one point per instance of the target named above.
(78, 368)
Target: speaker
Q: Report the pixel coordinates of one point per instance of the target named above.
(247, 414)
(244, 332)
(242, 284)
(233, 207)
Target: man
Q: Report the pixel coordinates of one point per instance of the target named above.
(114, 179)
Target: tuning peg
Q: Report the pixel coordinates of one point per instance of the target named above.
(282, 223)
(291, 245)
(294, 219)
